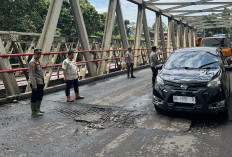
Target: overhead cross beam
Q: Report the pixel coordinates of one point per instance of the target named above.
(183, 5)
(189, 3)
(199, 11)
(207, 10)
(190, 20)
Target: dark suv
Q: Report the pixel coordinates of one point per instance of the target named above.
(193, 79)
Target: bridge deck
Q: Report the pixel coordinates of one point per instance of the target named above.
(116, 118)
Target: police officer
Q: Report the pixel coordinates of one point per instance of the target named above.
(69, 67)
(129, 62)
(36, 80)
(154, 61)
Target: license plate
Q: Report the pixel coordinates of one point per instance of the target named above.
(184, 99)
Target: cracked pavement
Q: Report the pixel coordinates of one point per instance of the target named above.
(116, 119)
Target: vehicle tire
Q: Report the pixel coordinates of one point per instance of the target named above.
(223, 114)
(159, 110)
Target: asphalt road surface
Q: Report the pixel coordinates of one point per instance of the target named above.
(116, 119)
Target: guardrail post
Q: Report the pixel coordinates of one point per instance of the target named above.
(9, 79)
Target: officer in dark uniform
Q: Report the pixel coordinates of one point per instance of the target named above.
(36, 80)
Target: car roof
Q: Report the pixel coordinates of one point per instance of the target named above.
(213, 50)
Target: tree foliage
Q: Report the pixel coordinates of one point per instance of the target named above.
(30, 15)
(22, 15)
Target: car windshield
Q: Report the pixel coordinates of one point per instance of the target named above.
(216, 42)
(192, 60)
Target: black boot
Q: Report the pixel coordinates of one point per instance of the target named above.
(38, 107)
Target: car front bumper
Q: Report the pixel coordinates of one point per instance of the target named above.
(207, 100)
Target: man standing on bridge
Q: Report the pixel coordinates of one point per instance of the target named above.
(129, 62)
(36, 81)
(154, 61)
(71, 76)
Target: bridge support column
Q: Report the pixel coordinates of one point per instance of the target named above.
(171, 36)
(178, 35)
(194, 37)
(138, 34)
(107, 34)
(181, 35)
(121, 25)
(159, 34)
(185, 36)
(81, 29)
(190, 37)
(48, 33)
(9, 79)
(146, 31)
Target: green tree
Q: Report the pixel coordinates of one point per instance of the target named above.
(91, 17)
(22, 15)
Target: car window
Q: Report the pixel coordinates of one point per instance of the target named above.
(186, 59)
(216, 42)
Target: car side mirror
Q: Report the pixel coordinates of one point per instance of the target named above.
(159, 66)
(228, 68)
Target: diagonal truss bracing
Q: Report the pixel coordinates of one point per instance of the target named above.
(221, 9)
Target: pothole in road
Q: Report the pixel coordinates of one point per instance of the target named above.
(97, 118)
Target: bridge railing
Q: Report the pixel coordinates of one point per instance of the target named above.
(113, 63)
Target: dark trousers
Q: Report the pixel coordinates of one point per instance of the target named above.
(130, 68)
(154, 74)
(69, 84)
(37, 95)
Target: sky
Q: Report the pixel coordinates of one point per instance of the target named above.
(130, 10)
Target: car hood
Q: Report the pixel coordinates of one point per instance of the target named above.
(189, 76)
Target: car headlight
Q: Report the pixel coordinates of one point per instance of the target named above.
(159, 81)
(214, 83)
